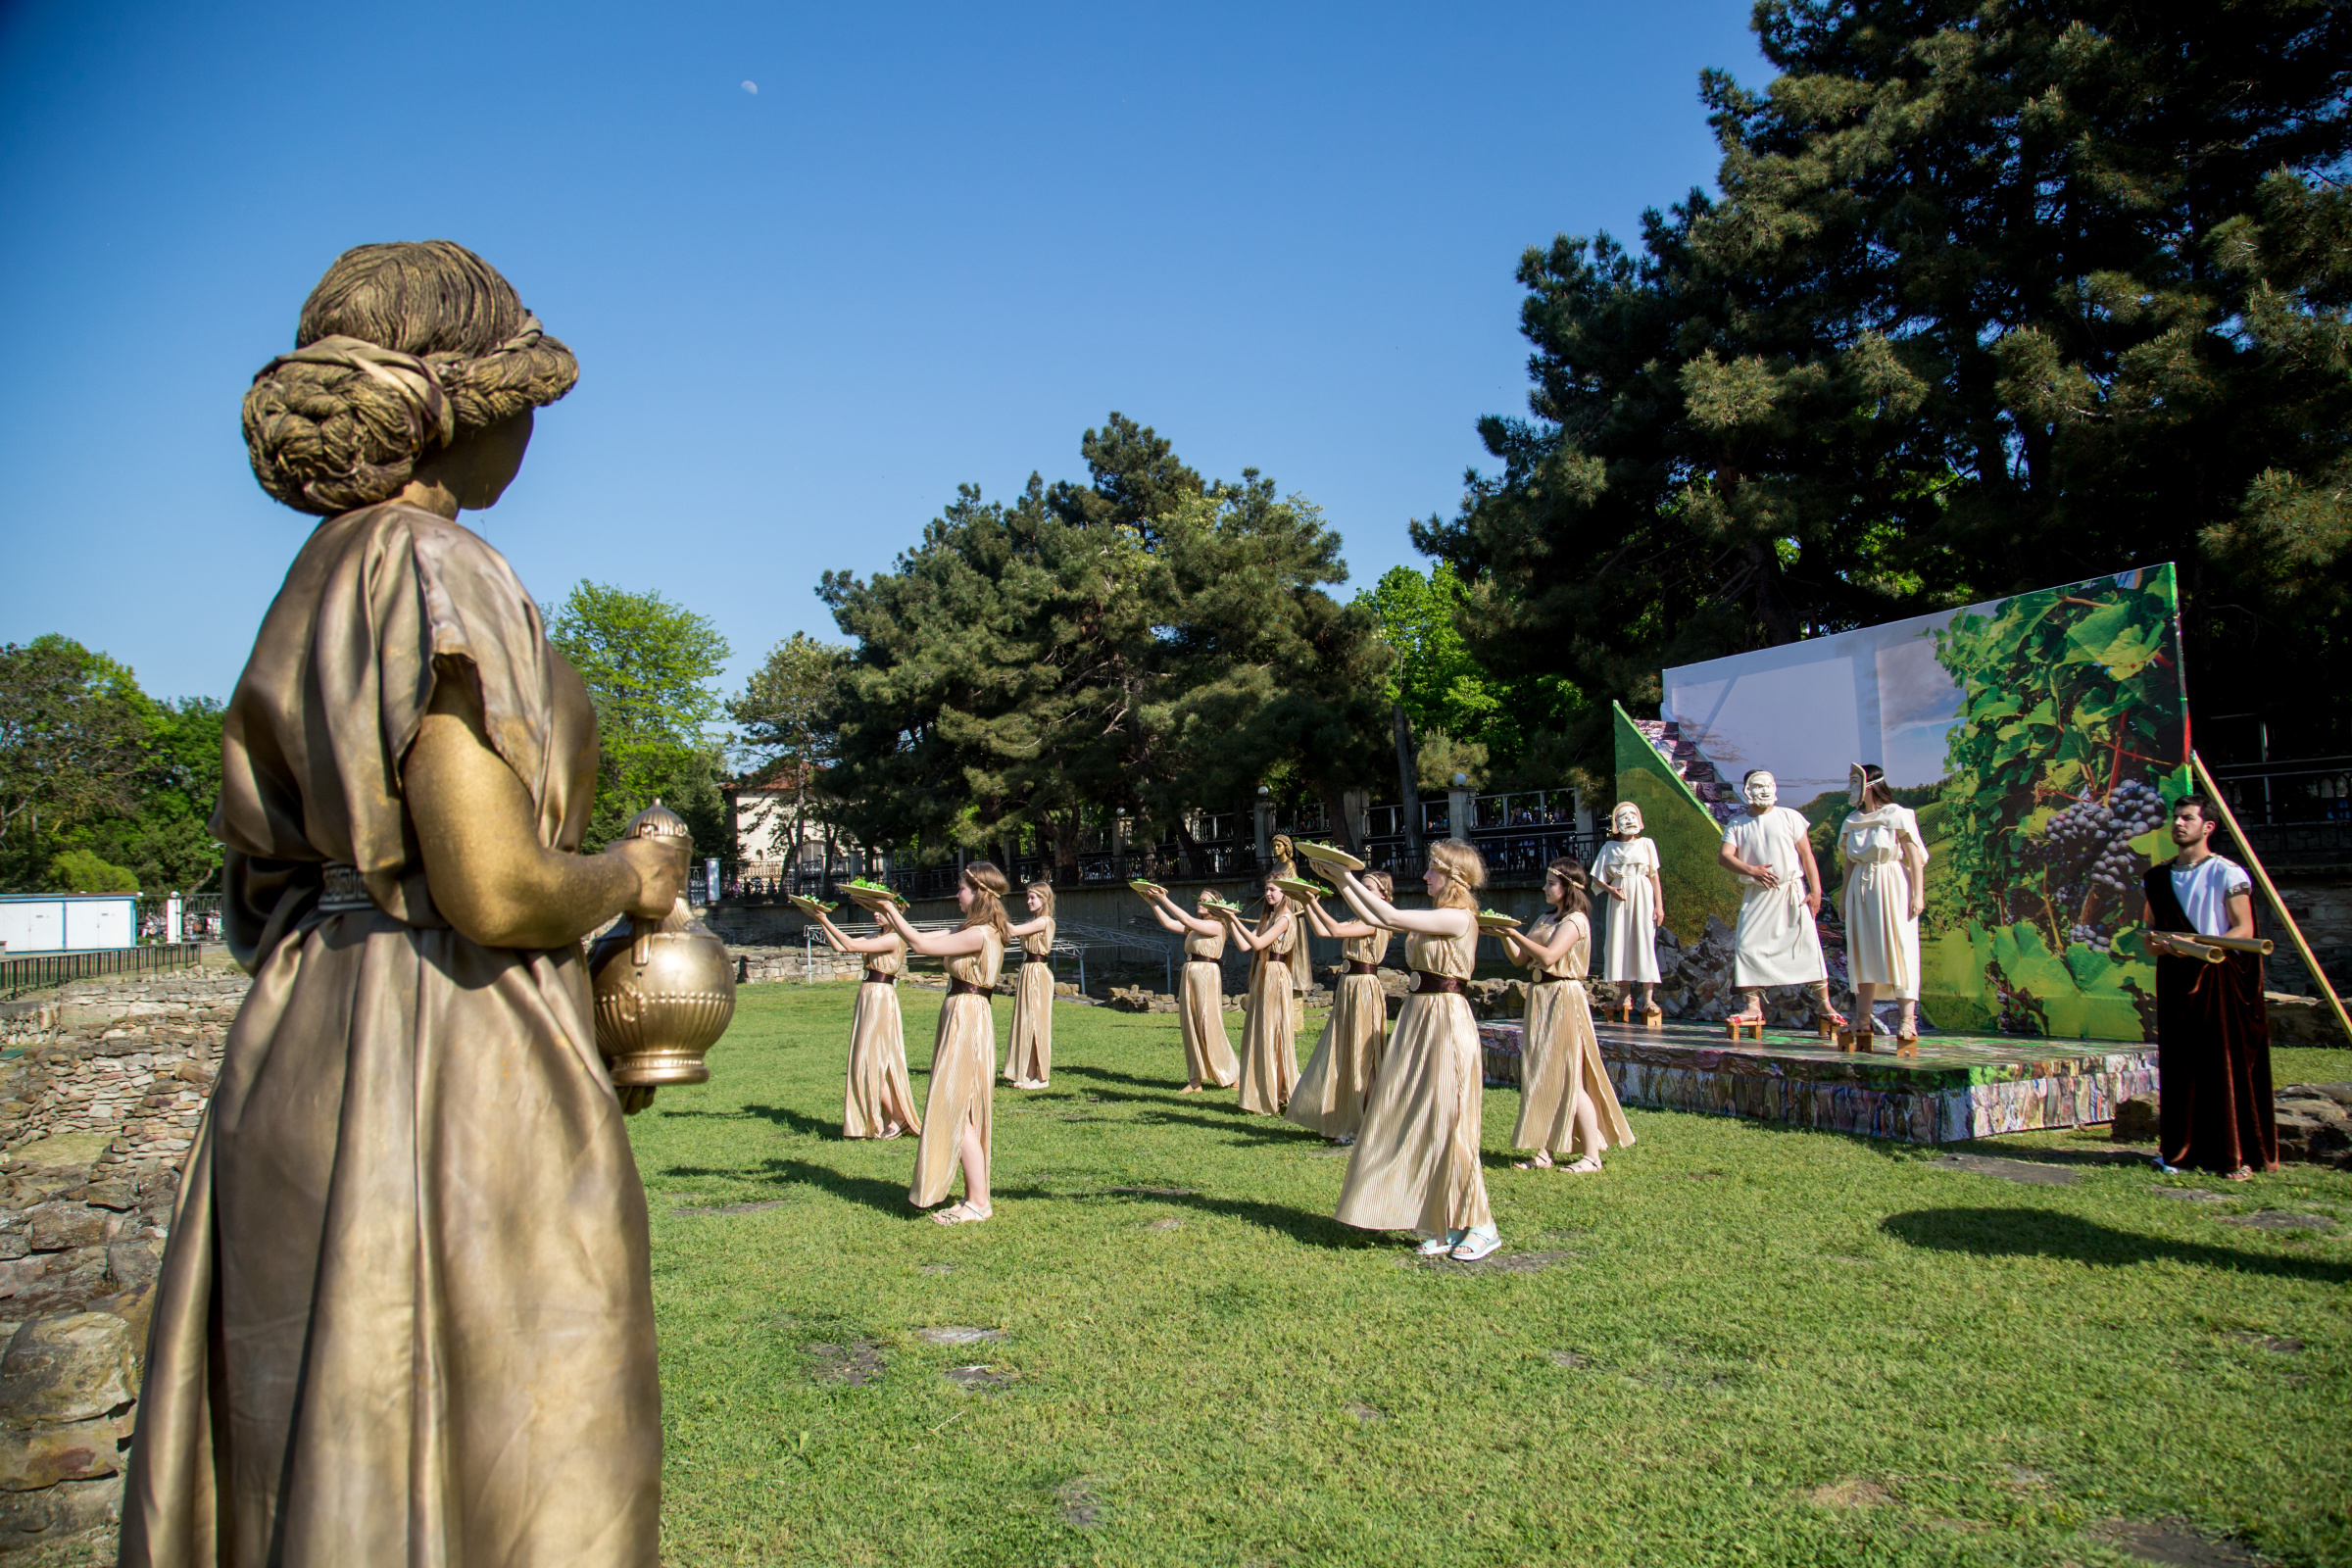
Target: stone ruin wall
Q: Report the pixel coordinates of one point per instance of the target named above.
(96, 1115)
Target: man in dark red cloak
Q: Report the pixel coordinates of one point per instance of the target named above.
(2213, 1032)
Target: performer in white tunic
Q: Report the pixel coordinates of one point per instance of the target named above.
(1626, 874)
(1886, 888)
(1771, 852)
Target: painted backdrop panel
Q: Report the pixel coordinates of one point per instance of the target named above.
(2037, 736)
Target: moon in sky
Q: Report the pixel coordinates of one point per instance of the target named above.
(751, 87)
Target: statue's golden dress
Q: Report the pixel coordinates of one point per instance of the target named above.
(405, 1314)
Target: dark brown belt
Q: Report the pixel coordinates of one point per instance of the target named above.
(1358, 966)
(1423, 983)
(965, 988)
(1558, 979)
(876, 977)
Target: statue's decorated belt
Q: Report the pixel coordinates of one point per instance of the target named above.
(965, 988)
(340, 887)
(876, 977)
(1423, 981)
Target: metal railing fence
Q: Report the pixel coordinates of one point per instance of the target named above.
(2298, 812)
(46, 971)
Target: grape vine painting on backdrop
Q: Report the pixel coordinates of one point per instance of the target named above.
(2038, 738)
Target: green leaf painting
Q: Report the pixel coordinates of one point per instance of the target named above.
(2073, 731)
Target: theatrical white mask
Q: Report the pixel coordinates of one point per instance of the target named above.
(1857, 781)
(1763, 789)
(1627, 818)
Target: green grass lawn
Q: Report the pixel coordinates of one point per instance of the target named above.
(1738, 1345)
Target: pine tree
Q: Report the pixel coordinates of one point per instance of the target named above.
(1995, 296)
(1145, 641)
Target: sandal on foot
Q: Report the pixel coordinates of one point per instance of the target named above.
(1541, 1161)
(1476, 1243)
(961, 1214)
(1440, 1246)
(1190, 1089)
(1586, 1166)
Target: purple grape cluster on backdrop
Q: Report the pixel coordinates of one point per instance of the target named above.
(2089, 845)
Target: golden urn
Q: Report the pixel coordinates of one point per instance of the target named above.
(664, 989)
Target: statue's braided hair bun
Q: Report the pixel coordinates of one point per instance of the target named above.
(401, 349)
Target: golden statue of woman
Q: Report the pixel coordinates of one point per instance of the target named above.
(405, 1314)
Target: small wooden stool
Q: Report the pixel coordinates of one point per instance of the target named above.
(1753, 1028)
(1906, 1045)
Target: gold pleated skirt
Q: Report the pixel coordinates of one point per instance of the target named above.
(1207, 1050)
(1560, 1063)
(963, 1092)
(1269, 1041)
(1338, 1076)
(1415, 1165)
(1030, 1055)
(877, 1092)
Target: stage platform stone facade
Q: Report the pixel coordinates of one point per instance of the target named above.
(1957, 1088)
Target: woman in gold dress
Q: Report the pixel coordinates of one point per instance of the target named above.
(959, 1115)
(1338, 1078)
(878, 1101)
(1200, 994)
(1269, 1019)
(1029, 1059)
(405, 1314)
(1567, 1104)
(1416, 1164)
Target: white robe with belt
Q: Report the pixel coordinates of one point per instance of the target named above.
(1778, 943)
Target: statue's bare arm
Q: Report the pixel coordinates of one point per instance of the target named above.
(489, 874)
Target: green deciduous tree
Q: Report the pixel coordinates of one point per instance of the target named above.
(1995, 295)
(650, 668)
(80, 870)
(94, 770)
(74, 742)
(787, 730)
(1501, 732)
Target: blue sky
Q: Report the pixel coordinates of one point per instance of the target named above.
(934, 246)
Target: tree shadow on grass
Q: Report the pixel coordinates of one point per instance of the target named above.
(1106, 1075)
(870, 1191)
(799, 1122)
(1303, 1226)
(1246, 1127)
(1993, 1147)
(2046, 1233)
(1168, 1097)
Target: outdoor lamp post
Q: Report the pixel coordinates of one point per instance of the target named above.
(1265, 825)
(1457, 809)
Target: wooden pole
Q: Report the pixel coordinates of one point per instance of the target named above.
(2221, 804)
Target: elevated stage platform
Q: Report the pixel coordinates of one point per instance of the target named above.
(1958, 1087)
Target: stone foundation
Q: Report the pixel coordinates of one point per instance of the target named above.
(96, 1114)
